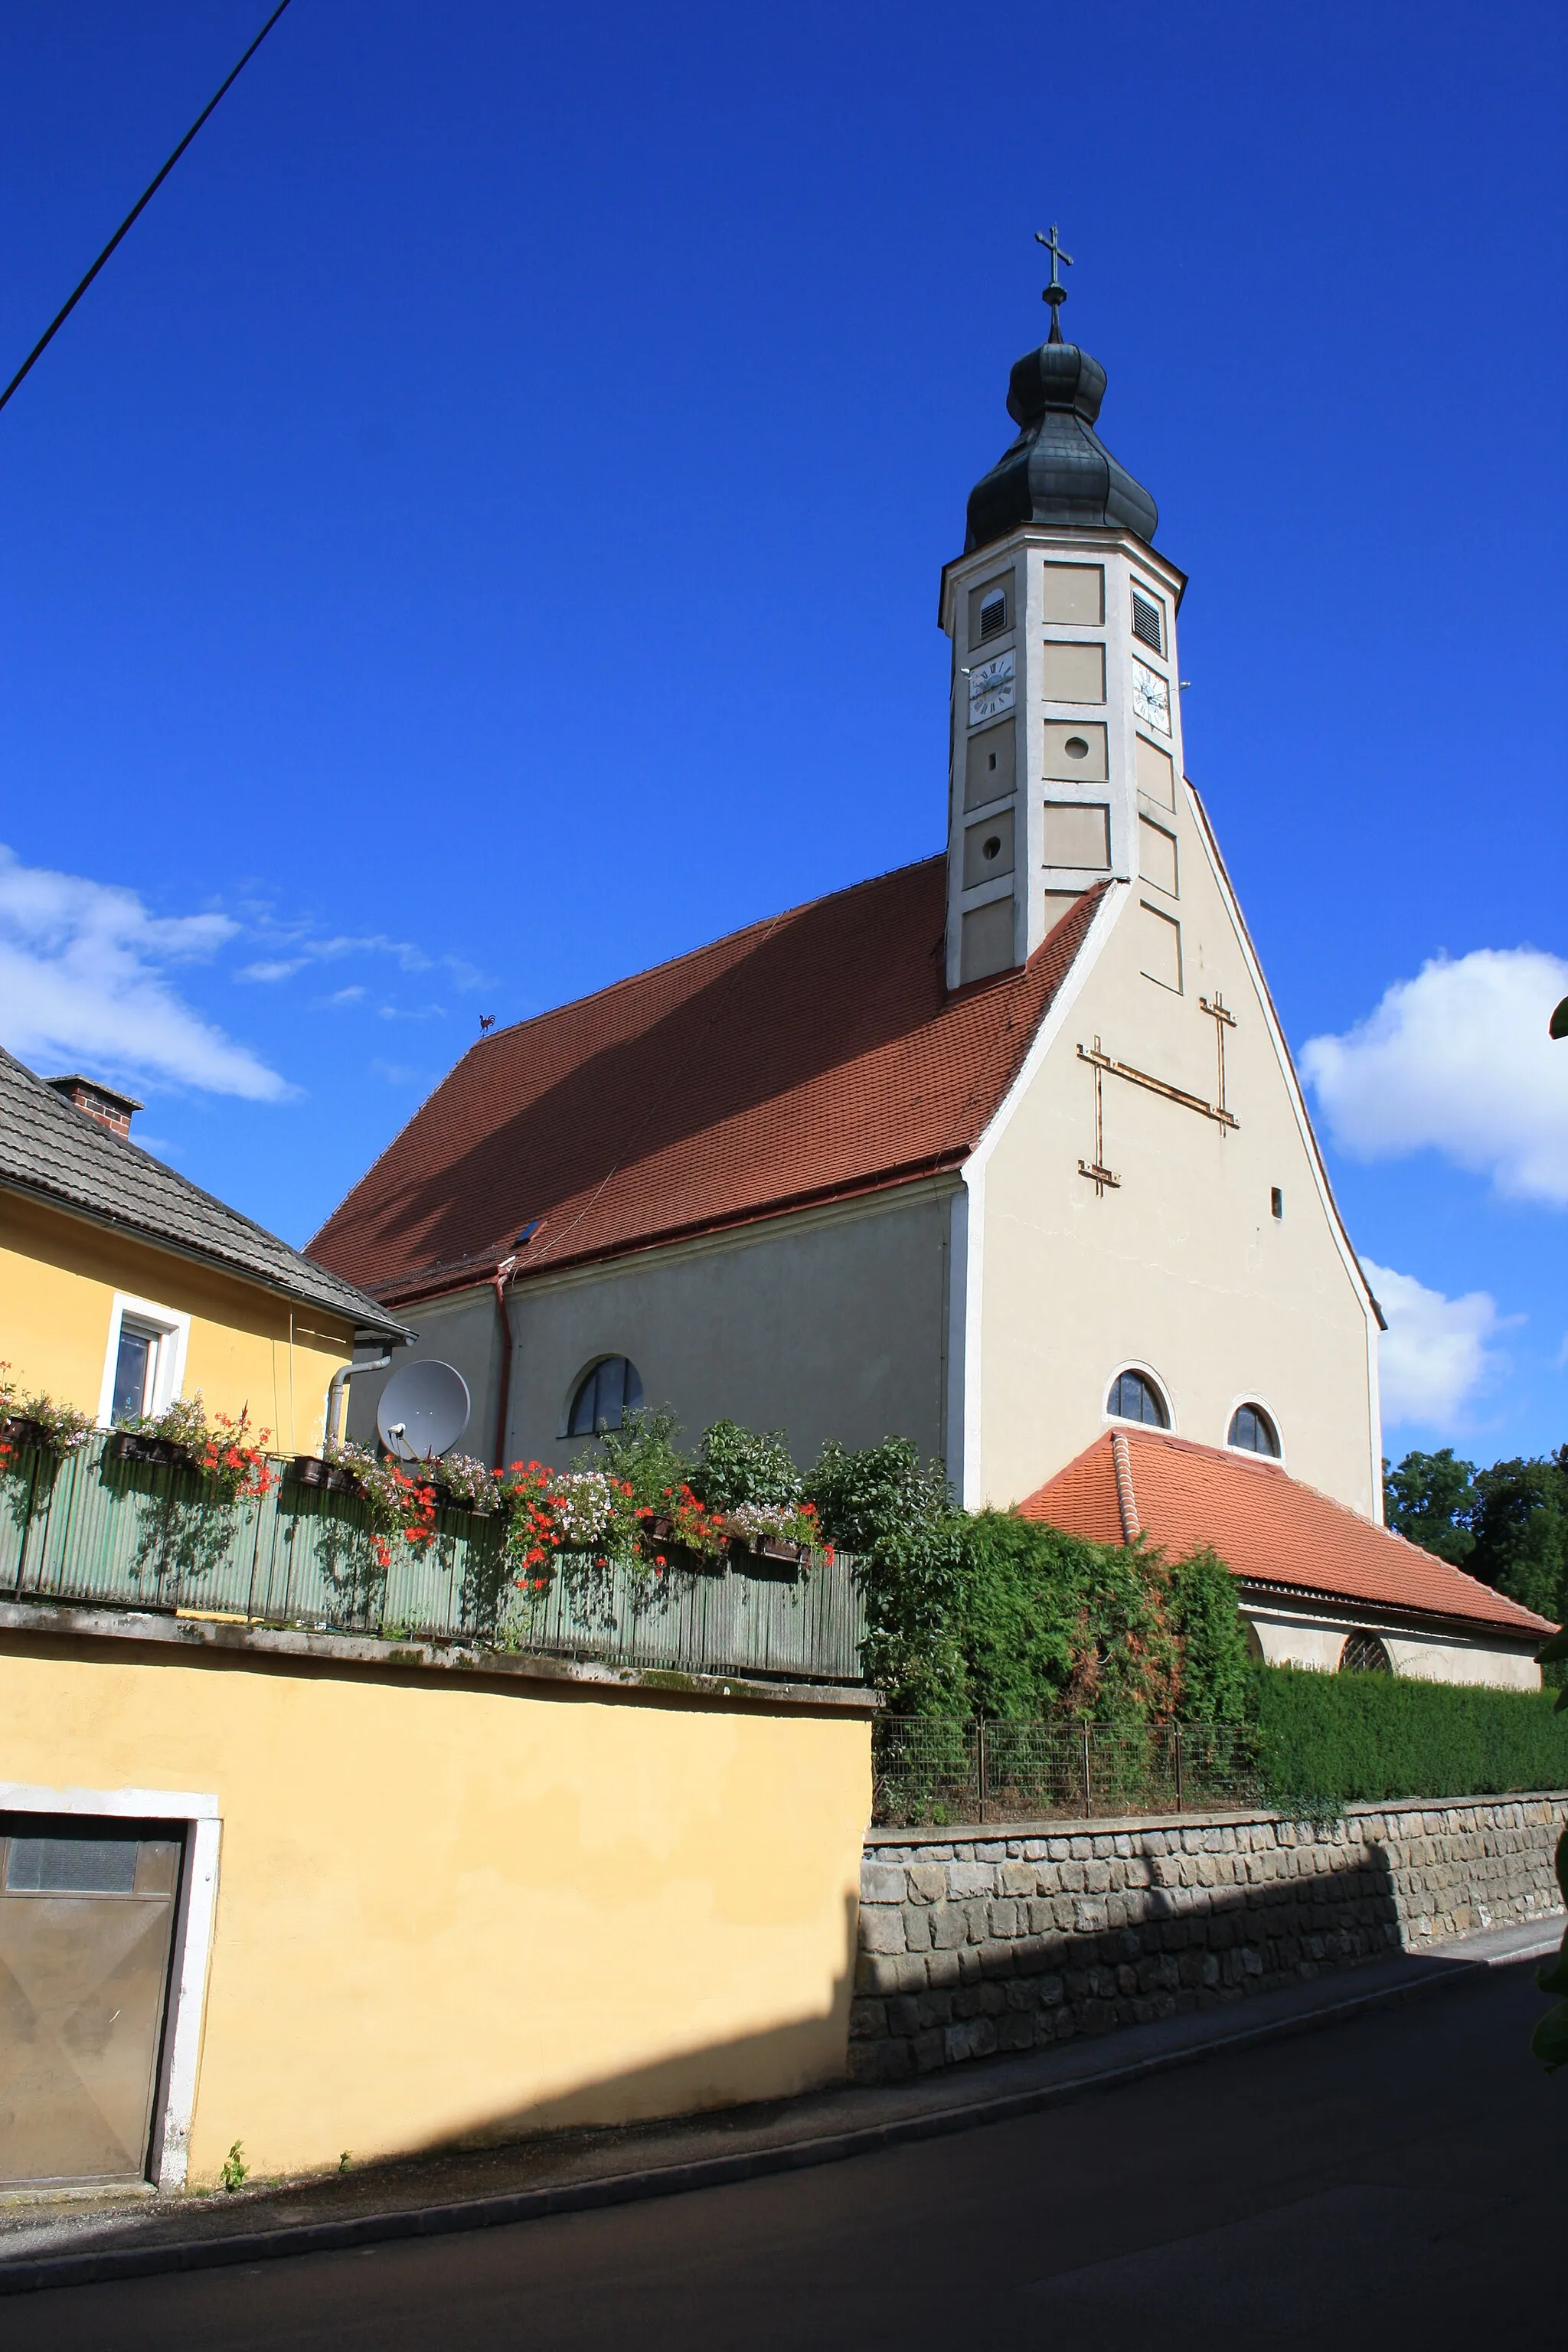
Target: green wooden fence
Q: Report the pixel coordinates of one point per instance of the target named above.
(97, 1530)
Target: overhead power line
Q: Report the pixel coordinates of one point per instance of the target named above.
(142, 201)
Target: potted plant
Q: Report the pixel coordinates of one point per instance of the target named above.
(220, 1451)
(789, 1532)
(36, 1423)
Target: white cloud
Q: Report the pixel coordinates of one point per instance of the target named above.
(82, 980)
(269, 971)
(1458, 1060)
(297, 943)
(1433, 1357)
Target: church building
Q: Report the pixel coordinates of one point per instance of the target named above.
(1002, 1152)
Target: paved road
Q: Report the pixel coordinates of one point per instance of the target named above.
(1399, 2178)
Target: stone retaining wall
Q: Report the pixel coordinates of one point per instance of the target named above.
(1009, 1938)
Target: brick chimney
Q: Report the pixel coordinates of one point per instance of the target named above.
(111, 1110)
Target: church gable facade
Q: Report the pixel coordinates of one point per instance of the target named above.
(1000, 1152)
(1148, 1200)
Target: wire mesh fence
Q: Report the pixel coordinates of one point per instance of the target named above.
(929, 1772)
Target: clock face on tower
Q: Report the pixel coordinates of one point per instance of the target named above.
(1150, 697)
(993, 688)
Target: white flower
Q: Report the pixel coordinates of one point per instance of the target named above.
(587, 1505)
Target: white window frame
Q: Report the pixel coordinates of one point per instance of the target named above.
(174, 1331)
(195, 1917)
(1259, 1403)
(1109, 1419)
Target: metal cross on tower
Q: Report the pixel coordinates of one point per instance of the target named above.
(1056, 293)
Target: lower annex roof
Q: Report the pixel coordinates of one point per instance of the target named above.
(1269, 1529)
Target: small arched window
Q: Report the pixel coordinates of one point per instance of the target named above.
(1253, 1432)
(606, 1393)
(1134, 1397)
(1363, 1653)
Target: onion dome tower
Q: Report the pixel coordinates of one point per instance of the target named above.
(1065, 711)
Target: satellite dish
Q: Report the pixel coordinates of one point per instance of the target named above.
(424, 1411)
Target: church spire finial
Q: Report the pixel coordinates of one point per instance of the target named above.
(1056, 293)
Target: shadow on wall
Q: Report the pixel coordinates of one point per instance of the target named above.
(740, 2076)
(789, 2058)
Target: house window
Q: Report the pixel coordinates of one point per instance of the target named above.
(1363, 1653)
(135, 1371)
(1253, 1432)
(606, 1393)
(144, 1362)
(1134, 1397)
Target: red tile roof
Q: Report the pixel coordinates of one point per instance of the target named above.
(805, 1059)
(1266, 1526)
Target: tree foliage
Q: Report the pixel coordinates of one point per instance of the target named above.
(1428, 1499)
(1508, 1525)
(1521, 1526)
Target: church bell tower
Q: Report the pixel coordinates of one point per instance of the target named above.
(1067, 730)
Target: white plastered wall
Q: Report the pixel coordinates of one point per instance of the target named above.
(1291, 1639)
(1180, 1266)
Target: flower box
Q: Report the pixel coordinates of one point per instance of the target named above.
(780, 1547)
(17, 1430)
(309, 1470)
(127, 1446)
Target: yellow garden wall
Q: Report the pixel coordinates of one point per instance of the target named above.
(59, 1275)
(455, 1907)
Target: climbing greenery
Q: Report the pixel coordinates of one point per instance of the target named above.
(988, 1613)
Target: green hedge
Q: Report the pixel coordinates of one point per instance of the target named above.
(1328, 1739)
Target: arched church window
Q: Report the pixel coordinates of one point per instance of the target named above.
(1363, 1653)
(606, 1393)
(1134, 1397)
(1253, 1432)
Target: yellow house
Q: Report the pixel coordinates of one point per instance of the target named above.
(122, 1286)
(642, 1881)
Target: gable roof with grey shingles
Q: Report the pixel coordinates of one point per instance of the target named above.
(51, 1149)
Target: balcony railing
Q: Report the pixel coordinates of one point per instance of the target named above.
(930, 1773)
(98, 1531)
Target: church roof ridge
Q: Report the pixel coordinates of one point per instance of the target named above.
(691, 955)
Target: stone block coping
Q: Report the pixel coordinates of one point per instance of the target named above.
(1003, 1834)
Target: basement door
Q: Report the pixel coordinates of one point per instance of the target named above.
(86, 1918)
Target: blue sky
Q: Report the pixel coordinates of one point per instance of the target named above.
(481, 536)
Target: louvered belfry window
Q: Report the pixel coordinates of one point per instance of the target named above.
(1146, 622)
(994, 615)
